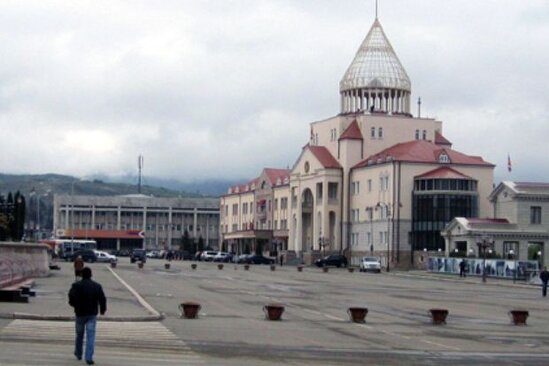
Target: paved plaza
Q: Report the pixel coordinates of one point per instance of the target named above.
(315, 330)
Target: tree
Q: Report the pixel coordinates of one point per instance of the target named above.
(186, 243)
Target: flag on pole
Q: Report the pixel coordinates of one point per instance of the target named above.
(509, 166)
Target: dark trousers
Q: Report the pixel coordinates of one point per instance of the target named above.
(544, 289)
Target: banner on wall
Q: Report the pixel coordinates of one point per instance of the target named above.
(500, 268)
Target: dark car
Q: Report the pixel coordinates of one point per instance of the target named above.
(138, 255)
(258, 259)
(87, 255)
(336, 260)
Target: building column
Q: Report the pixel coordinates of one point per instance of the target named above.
(144, 226)
(170, 231)
(195, 223)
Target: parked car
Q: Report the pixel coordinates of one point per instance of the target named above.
(222, 257)
(138, 255)
(370, 264)
(336, 260)
(242, 258)
(88, 255)
(153, 254)
(258, 259)
(208, 256)
(105, 257)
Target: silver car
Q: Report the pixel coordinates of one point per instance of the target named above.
(370, 264)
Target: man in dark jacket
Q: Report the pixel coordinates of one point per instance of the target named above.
(85, 297)
(544, 277)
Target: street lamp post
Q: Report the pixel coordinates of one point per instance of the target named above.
(513, 256)
(484, 244)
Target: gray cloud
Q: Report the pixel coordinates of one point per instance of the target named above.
(224, 88)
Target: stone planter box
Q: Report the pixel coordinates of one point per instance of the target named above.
(518, 317)
(246, 267)
(300, 268)
(351, 269)
(438, 316)
(220, 266)
(273, 311)
(166, 266)
(193, 265)
(273, 267)
(140, 264)
(113, 264)
(189, 310)
(325, 269)
(357, 314)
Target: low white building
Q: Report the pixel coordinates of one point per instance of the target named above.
(519, 228)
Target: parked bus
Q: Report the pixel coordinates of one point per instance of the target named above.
(64, 248)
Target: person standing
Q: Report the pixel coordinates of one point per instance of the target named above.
(86, 296)
(462, 266)
(544, 277)
(78, 265)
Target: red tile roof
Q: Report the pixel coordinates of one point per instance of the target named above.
(441, 140)
(104, 234)
(324, 156)
(443, 172)
(421, 151)
(275, 174)
(352, 132)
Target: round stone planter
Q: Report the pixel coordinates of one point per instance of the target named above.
(193, 265)
(246, 267)
(351, 269)
(325, 269)
(113, 264)
(518, 317)
(140, 264)
(220, 266)
(300, 268)
(439, 316)
(273, 267)
(166, 266)
(357, 314)
(189, 310)
(273, 311)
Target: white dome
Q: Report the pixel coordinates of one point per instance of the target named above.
(376, 65)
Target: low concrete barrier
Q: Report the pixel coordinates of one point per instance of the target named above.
(20, 261)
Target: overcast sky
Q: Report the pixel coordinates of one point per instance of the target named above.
(221, 88)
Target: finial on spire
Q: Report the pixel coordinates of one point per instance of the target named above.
(376, 9)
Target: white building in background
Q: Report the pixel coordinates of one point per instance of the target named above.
(373, 179)
(136, 221)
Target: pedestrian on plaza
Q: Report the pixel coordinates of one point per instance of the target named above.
(86, 296)
(462, 266)
(78, 265)
(281, 259)
(544, 277)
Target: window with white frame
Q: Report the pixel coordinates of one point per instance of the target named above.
(373, 132)
(380, 132)
(417, 134)
(424, 135)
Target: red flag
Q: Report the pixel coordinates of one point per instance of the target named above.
(509, 167)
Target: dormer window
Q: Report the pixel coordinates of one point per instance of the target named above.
(443, 158)
(286, 180)
(263, 185)
(278, 182)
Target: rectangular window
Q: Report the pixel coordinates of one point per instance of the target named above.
(369, 185)
(235, 209)
(417, 134)
(373, 132)
(535, 215)
(245, 208)
(380, 132)
(332, 191)
(276, 205)
(424, 136)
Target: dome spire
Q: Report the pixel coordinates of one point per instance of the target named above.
(375, 80)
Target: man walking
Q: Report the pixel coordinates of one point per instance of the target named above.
(544, 277)
(85, 297)
(462, 266)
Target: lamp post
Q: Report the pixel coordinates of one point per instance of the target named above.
(484, 244)
(512, 255)
(386, 206)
